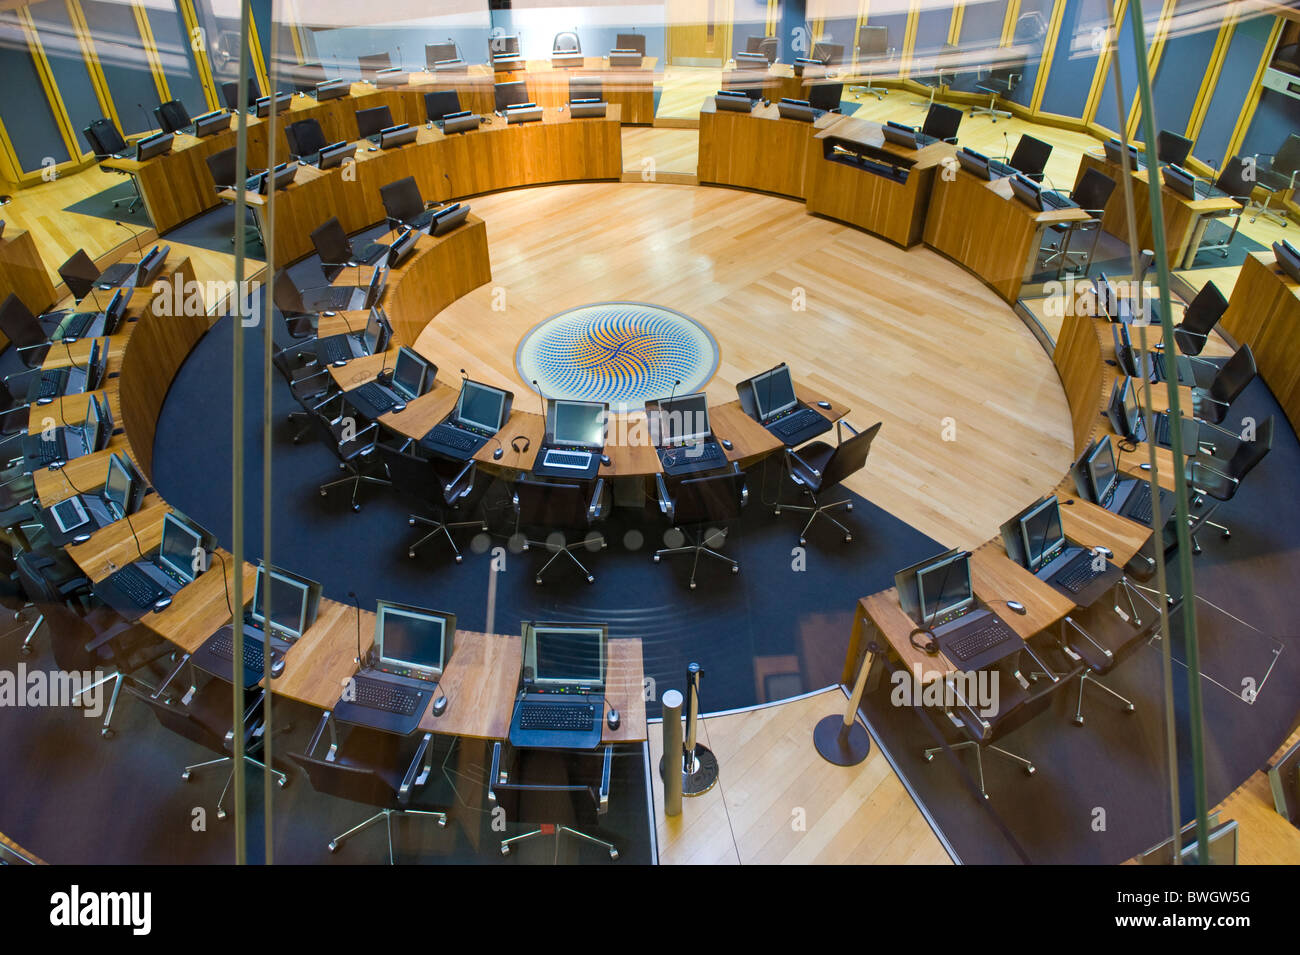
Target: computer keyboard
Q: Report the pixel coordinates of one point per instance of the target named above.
(382, 695)
(1138, 505)
(377, 396)
(579, 717)
(1078, 573)
(976, 640)
(794, 422)
(452, 438)
(223, 646)
(136, 585)
(1162, 429)
(577, 460)
(696, 455)
(1055, 200)
(335, 348)
(51, 384)
(74, 326)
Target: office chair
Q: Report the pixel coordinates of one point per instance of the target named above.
(509, 94)
(435, 53)
(337, 252)
(373, 121)
(826, 96)
(768, 46)
(1199, 319)
(1219, 474)
(305, 138)
(1212, 399)
(172, 116)
(1235, 180)
(1016, 705)
(403, 205)
(701, 504)
(435, 485)
(1172, 148)
(312, 387)
(1030, 157)
(106, 142)
(352, 446)
(49, 579)
(81, 275)
(101, 641)
(941, 122)
(999, 84)
(566, 42)
(370, 768)
(1275, 173)
(555, 506)
(230, 94)
(304, 77)
(28, 335)
(586, 87)
(206, 720)
(939, 79)
(817, 467)
(226, 174)
(439, 103)
(551, 798)
(630, 41)
(828, 54)
(871, 51)
(1091, 195)
(371, 64)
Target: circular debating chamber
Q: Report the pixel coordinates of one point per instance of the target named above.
(615, 432)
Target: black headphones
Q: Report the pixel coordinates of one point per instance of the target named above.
(514, 443)
(930, 645)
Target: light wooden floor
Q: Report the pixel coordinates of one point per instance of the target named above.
(1264, 836)
(777, 801)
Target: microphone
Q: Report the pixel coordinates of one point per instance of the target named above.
(538, 388)
(148, 123)
(451, 190)
(399, 56)
(464, 377)
(1006, 147)
(139, 249)
(357, 603)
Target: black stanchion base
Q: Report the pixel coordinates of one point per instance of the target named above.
(841, 745)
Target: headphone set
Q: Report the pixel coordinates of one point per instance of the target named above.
(929, 645)
(515, 444)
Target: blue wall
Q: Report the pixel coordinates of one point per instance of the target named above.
(1178, 77)
(25, 109)
(1074, 61)
(71, 75)
(1244, 52)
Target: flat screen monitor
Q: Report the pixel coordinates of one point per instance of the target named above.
(149, 267)
(1041, 534)
(509, 94)
(944, 586)
(334, 89)
(373, 63)
(180, 545)
(630, 41)
(1027, 191)
(118, 486)
(505, 45)
(1132, 410)
(773, 392)
(409, 374)
(975, 163)
(289, 600)
(441, 102)
(1288, 259)
(577, 423)
(480, 406)
(448, 218)
(435, 53)
(402, 247)
(210, 123)
(335, 153)
(393, 136)
(92, 427)
(566, 654)
(1107, 295)
(684, 419)
(378, 281)
(736, 101)
(1100, 469)
(413, 638)
(375, 337)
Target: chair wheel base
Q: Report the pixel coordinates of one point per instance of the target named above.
(221, 814)
(848, 538)
(282, 782)
(537, 580)
(735, 570)
(692, 585)
(1130, 708)
(802, 541)
(591, 579)
(459, 558)
(411, 521)
(505, 850)
(1031, 770)
(356, 507)
(27, 651)
(411, 554)
(656, 558)
(613, 853)
(185, 777)
(929, 757)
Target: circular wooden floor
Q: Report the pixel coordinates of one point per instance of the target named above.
(975, 420)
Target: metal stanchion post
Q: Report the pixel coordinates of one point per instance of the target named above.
(699, 765)
(842, 740)
(672, 711)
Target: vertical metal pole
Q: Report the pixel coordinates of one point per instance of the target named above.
(693, 674)
(672, 711)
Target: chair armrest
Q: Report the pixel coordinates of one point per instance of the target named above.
(839, 434)
(813, 470)
(665, 501)
(1042, 665)
(494, 772)
(455, 482)
(319, 732)
(413, 770)
(1070, 621)
(593, 506)
(602, 796)
(180, 665)
(1195, 463)
(975, 716)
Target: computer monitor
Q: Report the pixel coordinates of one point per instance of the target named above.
(92, 428)
(1099, 466)
(1288, 259)
(118, 486)
(504, 45)
(180, 542)
(509, 94)
(944, 586)
(480, 406)
(826, 96)
(441, 102)
(576, 423)
(148, 267)
(435, 53)
(448, 218)
(565, 654)
(1027, 191)
(402, 248)
(684, 419)
(413, 639)
(1041, 534)
(773, 392)
(290, 602)
(1132, 410)
(373, 63)
(392, 136)
(410, 373)
(375, 337)
(975, 163)
(630, 41)
(375, 290)
(1107, 296)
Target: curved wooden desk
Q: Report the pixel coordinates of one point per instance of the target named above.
(1264, 313)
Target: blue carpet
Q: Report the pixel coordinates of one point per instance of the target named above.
(100, 205)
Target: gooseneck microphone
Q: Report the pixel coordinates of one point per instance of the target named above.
(538, 389)
(356, 602)
(148, 122)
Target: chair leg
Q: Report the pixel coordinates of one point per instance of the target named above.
(818, 510)
(569, 550)
(361, 827)
(26, 648)
(991, 111)
(524, 837)
(699, 547)
(1087, 677)
(1030, 768)
(1269, 213)
(608, 846)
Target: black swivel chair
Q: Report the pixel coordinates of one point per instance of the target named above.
(403, 204)
(337, 252)
(1030, 157)
(558, 506)
(768, 46)
(828, 54)
(1172, 148)
(550, 789)
(313, 387)
(373, 121)
(371, 768)
(230, 95)
(173, 117)
(1219, 475)
(1094, 653)
(1199, 319)
(941, 122)
(435, 485)
(353, 446)
(872, 51)
(1000, 82)
(226, 174)
(700, 505)
(105, 141)
(1237, 179)
(1276, 173)
(25, 331)
(817, 467)
(586, 87)
(206, 720)
(940, 77)
(1212, 398)
(1091, 195)
(305, 138)
(49, 579)
(439, 103)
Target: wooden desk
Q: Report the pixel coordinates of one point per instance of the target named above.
(872, 202)
(1185, 218)
(966, 214)
(756, 150)
(632, 90)
(23, 273)
(1264, 312)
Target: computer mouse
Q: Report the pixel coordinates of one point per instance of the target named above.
(399, 407)
(440, 705)
(824, 405)
(496, 455)
(340, 363)
(1145, 465)
(613, 718)
(277, 667)
(1016, 606)
(726, 444)
(161, 604)
(45, 400)
(81, 538)
(429, 125)
(373, 149)
(329, 314)
(604, 459)
(1104, 551)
